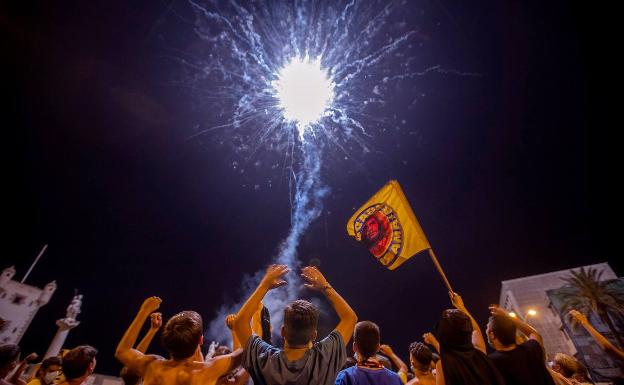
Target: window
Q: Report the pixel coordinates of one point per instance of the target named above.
(18, 299)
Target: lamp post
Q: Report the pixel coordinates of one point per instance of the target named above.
(529, 313)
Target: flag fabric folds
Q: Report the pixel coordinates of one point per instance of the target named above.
(387, 226)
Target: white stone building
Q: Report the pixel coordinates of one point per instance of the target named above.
(541, 293)
(521, 294)
(19, 304)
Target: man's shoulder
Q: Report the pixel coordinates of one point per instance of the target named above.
(532, 346)
(182, 372)
(333, 337)
(392, 374)
(503, 355)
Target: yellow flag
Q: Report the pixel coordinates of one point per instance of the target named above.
(387, 226)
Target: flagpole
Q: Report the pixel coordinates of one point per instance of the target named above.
(439, 267)
(34, 263)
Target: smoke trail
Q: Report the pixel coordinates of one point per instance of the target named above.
(307, 206)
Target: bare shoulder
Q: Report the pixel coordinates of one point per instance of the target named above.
(172, 372)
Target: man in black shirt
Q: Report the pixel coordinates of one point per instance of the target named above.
(518, 363)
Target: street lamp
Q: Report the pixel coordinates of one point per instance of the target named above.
(529, 313)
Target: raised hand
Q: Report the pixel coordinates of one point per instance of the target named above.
(457, 301)
(31, 357)
(431, 340)
(314, 278)
(155, 320)
(578, 317)
(274, 276)
(498, 311)
(151, 304)
(386, 350)
(229, 321)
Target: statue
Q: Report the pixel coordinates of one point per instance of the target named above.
(74, 307)
(65, 325)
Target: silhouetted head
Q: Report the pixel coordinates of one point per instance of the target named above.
(366, 337)
(565, 365)
(300, 320)
(129, 377)
(49, 369)
(9, 355)
(500, 330)
(79, 362)
(420, 356)
(454, 330)
(183, 334)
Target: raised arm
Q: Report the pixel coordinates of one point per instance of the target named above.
(316, 281)
(132, 358)
(222, 365)
(272, 279)
(477, 336)
(387, 351)
(522, 326)
(604, 343)
(430, 339)
(16, 377)
(229, 322)
(155, 324)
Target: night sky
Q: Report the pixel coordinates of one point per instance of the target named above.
(504, 170)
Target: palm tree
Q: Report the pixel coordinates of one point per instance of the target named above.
(589, 294)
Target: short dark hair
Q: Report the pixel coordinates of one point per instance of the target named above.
(458, 320)
(129, 377)
(76, 362)
(54, 360)
(182, 333)
(366, 336)
(421, 354)
(9, 353)
(300, 319)
(454, 330)
(504, 329)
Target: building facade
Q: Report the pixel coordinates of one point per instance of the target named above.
(19, 303)
(542, 293)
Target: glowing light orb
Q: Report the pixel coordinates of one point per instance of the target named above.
(304, 91)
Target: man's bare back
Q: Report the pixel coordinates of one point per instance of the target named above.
(186, 372)
(428, 379)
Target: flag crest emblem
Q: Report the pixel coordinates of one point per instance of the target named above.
(387, 226)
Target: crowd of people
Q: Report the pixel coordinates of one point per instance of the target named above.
(453, 353)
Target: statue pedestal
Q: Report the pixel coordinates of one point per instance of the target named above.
(64, 326)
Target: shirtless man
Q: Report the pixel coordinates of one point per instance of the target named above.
(420, 358)
(182, 337)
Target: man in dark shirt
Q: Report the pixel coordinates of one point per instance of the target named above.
(301, 361)
(519, 364)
